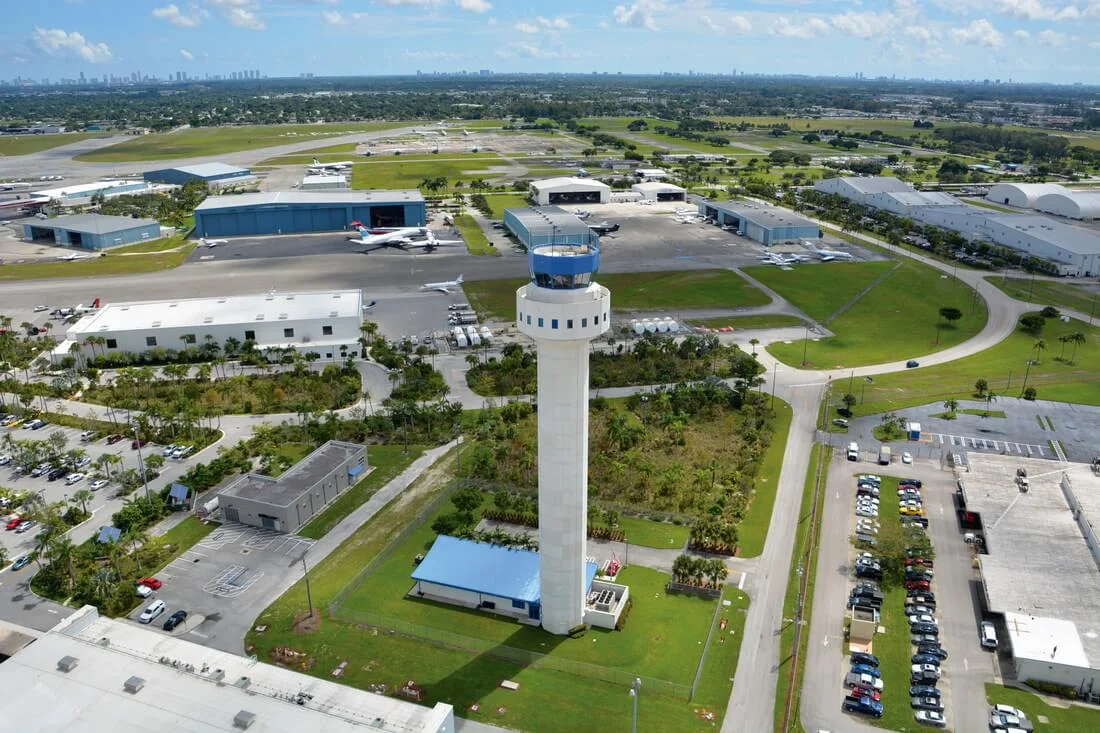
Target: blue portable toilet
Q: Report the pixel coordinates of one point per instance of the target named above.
(913, 429)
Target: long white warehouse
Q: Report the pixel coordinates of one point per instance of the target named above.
(321, 322)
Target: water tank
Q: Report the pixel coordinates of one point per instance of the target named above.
(639, 327)
(663, 326)
(650, 325)
(673, 326)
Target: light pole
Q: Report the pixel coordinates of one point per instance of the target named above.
(866, 381)
(1026, 373)
(141, 462)
(1092, 310)
(775, 367)
(805, 344)
(309, 594)
(635, 690)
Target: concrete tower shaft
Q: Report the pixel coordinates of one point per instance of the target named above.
(562, 310)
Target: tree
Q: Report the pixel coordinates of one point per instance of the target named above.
(1033, 323)
(989, 397)
(1077, 338)
(849, 401)
(82, 497)
(753, 342)
(1038, 347)
(980, 387)
(1031, 393)
(951, 405)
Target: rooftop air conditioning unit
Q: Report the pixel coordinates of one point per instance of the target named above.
(67, 663)
(244, 719)
(133, 685)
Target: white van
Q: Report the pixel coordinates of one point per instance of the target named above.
(989, 635)
(853, 451)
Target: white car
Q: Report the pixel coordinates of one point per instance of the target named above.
(168, 449)
(151, 611)
(83, 462)
(866, 512)
(1007, 710)
(40, 308)
(906, 457)
(928, 670)
(5, 460)
(922, 618)
(73, 478)
(931, 717)
(1000, 720)
(98, 484)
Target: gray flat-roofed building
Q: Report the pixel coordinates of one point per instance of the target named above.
(287, 502)
(760, 222)
(548, 225)
(1041, 570)
(92, 231)
(212, 174)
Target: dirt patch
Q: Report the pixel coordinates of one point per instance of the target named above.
(432, 478)
(287, 656)
(306, 622)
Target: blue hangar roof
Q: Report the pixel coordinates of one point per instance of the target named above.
(480, 567)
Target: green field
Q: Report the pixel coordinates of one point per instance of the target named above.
(1003, 366)
(95, 267)
(476, 241)
(1060, 294)
(26, 144)
(217, 140)
(163, 244)
(634, 291)
(547, 699)
(754, 527)
(647, 533)
(897, 319)
(305, 157)
(399, 173)
(765, 320)
(500, 201)
(1064, 717)
(387, 462)
(820, 290)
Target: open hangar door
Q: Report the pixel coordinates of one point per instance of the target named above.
(43, 234)
(387, 216)
(574, 197)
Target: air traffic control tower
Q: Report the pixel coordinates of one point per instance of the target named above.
(562, 309)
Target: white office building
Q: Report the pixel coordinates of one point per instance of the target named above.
(91, 674)
(563, 309)
(323, 322)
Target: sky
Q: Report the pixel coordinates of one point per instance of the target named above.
(1022, 40)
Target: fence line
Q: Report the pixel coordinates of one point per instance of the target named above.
(516, 655)
(706, 645)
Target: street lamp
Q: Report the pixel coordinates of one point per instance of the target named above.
(866, 381)
(141, 462)
(1026, 373)
(805, 344)
(635, 689)
(309, 594)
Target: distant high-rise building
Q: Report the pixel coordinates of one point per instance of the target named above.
(255, 73)
(82, 77)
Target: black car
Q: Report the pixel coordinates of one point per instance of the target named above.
(56, 473)
(175, 620)
(912, 364)
(869, 572)
(911, 482)
(924, 629)
(932, 650)
(924, 595)
(865, 658)
(868, 601)
(918, 575)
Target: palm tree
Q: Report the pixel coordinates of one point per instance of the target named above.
(1077, 339)
(951, 405)
(82, 497)
(753, 342)
(989, 397)
(1065, 339)
(1038, 347)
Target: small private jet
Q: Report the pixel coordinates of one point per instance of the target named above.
(403, 238)
(342, 165)
(774, 258)
(75, 256)
(213, 242)
(444, 287)
(828, 255)
(604, 228)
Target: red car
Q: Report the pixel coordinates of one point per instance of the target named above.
(13, 523)
(919, 561)
(866, 692)
(152, 583)
(917, 585)
(112, 439)
(134, 445)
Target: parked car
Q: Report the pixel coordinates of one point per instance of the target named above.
(82, 462)
(134, 445)
(112, 439)
(74, 478)
(32, 424)
(932, 650)
(918, 639)
(924, 691)
(866, 539)
(21, 562)
(866, 692)
(865, 658)
(919, 658)
(5, 460)
(1001, 720)
(924, 629)
(912, 364)
(1007, 710)
(168, 450)
(869, 572)
(988, 635)
(866, 669)
(863, 706)
(911, 482)
(13, 523)
(916, 609)
(183, 451)
(906, 457)
(98, 484)
(37, 424)
(153, 583)
(917, 585)
(151, 612)
(41, 308)
(40, 469)
(57, 473)
(928, 670)
(26, 526)
(926, 703)
(930, 717)
(143, 591)
(175, 620)
(873, 478)
(88, 436)
(863, 680)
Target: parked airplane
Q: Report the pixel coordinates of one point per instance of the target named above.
(773, 258)
(582, 213)
(74, 256)
(405, 238)
(466, 133)
(603, 228)
(828, 255)
(370, 305)
(339, 166)
(213, 242)
(689, 218)
(443, 287)
(76, 310)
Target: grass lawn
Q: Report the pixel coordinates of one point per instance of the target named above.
(400, 173)
(634, 291)
(153, 246)
(476, 241)
(547, 699)
(819, 290)
(1069, 719)
(185, 535)
(96, 267)
(498, 202)
(897, 319)
(388, 462)
(984, 413)
(987, 205)
(766, 320)
(790, 600)
(1060, 294)
(753, 530)
(648, 533)
(216, 140)
(26, 144)
(1053, 378)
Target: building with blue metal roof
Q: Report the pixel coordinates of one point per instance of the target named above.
(503, 580)
(547, 225)
(213, 174)
(760, 222)
(298, 212)
(92, 231)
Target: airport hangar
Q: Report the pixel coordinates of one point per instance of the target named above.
(553, 191)
(547, 225)
(761, 223)
(298, 212)
(1040, 568)
(320, 322)
(92, 231)
(212, 174)
(99, 675)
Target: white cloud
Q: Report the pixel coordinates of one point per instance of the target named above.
(1037, 10)
(1051, 38)
(175, 16)
(241, 13)
(474, 6)
(724, 23)
(921, 33)
(559, 23)
(525, 27)
(62, 44)
(812, 28)
(336, 18)
(542, 24)
(638, 15)
(979, 33)
(1022, 35)
(864, 25)
(187, 54)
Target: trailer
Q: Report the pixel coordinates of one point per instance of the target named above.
(460, 341)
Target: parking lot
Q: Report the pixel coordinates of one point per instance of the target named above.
(224, 581)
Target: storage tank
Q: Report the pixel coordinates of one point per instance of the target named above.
(639, 327)
(650, 325)
(662, 326)
(673, 326)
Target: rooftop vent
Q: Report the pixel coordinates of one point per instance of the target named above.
(283, 316)
(259, 316)
(125, 308)
(290, 297)
(221, 300)
(156, 324)
(133, 685)
(243, 682)
(270, 297)
(67, 663)
(173, 305)
(333, 314)
(244, 719)
(336, 296)
(103, 641)
(208, 319)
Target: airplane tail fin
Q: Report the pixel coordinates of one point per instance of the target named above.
(459, 280)
(316, 162)
(95, 303)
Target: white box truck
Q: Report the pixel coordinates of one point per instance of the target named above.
(884, 455)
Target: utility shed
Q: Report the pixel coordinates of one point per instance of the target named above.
(294, 212)
(289, 501)
(92, 231)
